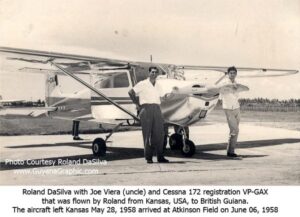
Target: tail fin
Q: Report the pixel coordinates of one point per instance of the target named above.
(53, 93)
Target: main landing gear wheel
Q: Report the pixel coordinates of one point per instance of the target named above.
(188, 150)
(99, 147)
(175, 141)
(131, 122)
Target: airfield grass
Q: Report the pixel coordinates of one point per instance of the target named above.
(11, 125)
(285, 120)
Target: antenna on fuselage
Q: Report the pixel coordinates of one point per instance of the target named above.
(151, 58)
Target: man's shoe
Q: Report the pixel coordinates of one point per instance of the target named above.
(163, 160)
(77, 138)
(149, 161)
(232, 155)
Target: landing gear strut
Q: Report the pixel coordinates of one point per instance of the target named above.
(99, 144)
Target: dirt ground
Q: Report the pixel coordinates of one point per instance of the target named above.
(269, 156)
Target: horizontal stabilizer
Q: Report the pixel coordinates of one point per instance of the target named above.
(26, 111)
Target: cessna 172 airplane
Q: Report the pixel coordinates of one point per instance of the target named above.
(105, 98)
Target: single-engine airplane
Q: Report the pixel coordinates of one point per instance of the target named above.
(105, 98)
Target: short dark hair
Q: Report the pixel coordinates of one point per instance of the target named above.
(153, 67)
(232, 68)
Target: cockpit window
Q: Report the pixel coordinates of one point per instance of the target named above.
(141, 75)
(121, 80)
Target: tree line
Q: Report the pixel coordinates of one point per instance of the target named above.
(265, 104)
(273, 102)
(256, 104)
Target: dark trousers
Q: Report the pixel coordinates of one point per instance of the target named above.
(75, 129)
(153, 130)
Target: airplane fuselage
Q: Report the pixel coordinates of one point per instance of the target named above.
(184, 108)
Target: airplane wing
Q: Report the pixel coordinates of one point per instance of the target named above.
(79, 64)
(37, 61)
(71, 64)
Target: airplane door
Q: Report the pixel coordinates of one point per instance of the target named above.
(115, 84)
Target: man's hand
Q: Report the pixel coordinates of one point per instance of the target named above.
(235, 86)
(138, 108)
(167, 96)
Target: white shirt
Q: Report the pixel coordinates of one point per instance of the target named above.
(148, 93)
(229, 96)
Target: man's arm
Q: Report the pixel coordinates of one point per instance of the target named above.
(134, 98)
(166, 96)
(222, 86)
(215, 88)
(242, 87)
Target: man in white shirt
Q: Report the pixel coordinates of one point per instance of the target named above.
(229, 91)
(146, 96)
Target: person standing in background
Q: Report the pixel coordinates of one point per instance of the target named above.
(229, 92)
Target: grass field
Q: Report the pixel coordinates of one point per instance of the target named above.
(286, 120)
(28, 126)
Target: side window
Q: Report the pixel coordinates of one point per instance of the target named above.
(121, 80)
(141, 75)
(112, 80)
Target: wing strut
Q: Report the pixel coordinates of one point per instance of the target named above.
(94, 89)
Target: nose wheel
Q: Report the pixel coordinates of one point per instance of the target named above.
(175, 141)
(188, 149)
(99, 147)
(180, 141)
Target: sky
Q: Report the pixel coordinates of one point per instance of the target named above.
(250, 33)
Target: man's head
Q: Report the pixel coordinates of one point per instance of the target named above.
(153, 72)
(232, 72)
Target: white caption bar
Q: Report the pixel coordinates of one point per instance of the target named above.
(149, 200)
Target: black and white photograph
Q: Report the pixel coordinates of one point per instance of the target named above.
(149, 93)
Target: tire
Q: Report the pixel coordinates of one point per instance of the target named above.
(189, 149)
(131, 122)
(99, 147)
(176, 141)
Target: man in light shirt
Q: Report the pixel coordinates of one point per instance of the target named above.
(146, 96)
(229, 91)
